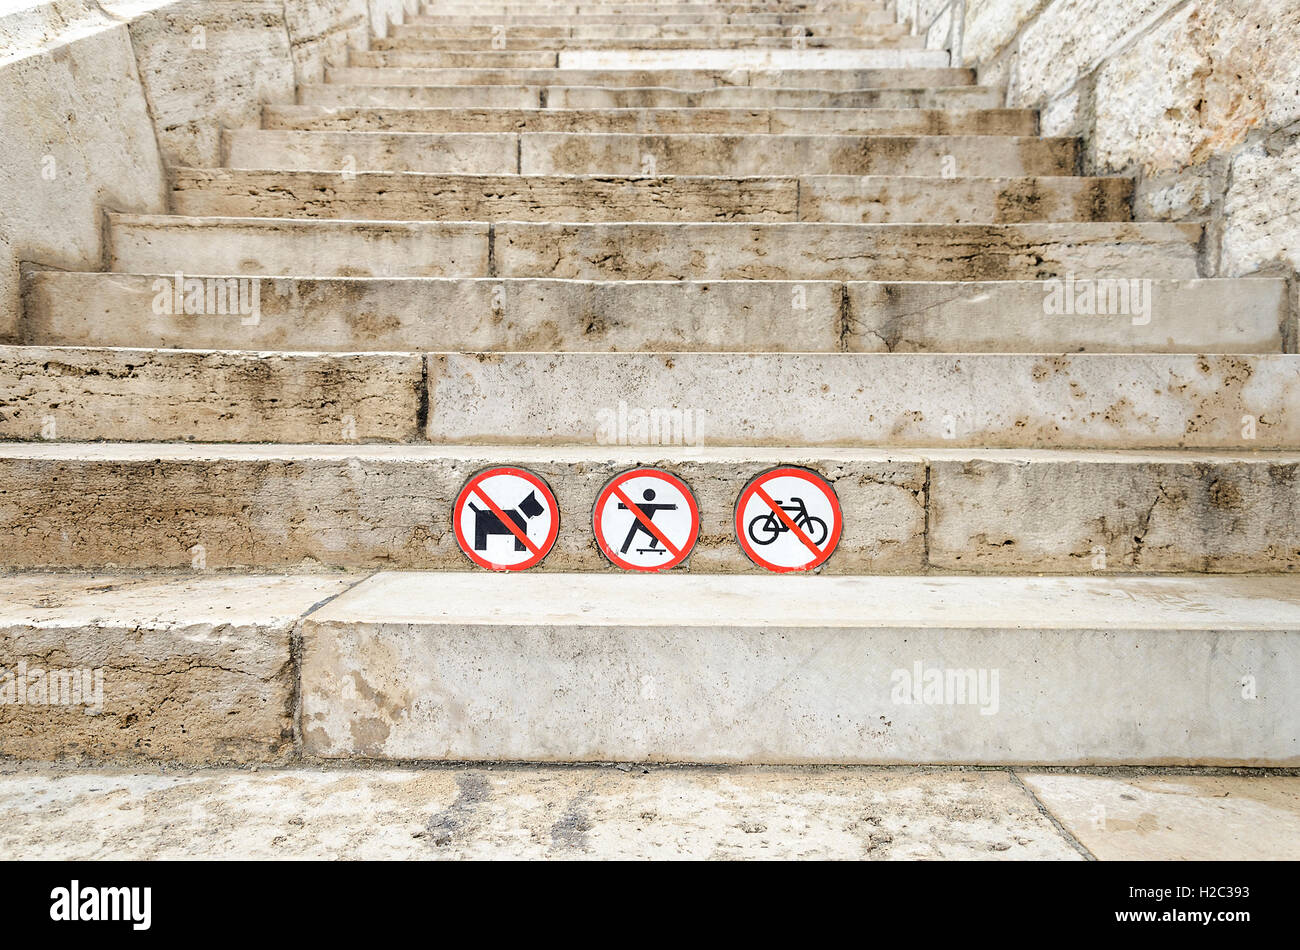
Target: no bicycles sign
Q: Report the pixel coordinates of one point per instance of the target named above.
(506, 519)
(646, 520)
(788, 519)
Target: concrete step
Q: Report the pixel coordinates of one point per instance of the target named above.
(777, 59)
(600, 97)
(573, 33)
(1022, 122)
(562, 812)
(870, 12)
(799, 670)
(1083, 400)
(165, 244)
(812, 19)
(475, 314)
(323, 507)
(579, 153)
(91, 393)
(543, 51)
(783, 77)
(416, 196)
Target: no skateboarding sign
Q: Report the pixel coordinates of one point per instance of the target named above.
(788, 519)
(646, 520)
(506, 519)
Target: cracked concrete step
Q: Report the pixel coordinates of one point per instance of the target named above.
(847, 199)
(364, 314)
(192, 669)
(790, 670)
(594, 812)
(1088, 400)
(321, 507)
(165, 244)
(580, 153)
(601, 97)
(1015, 122)
(871, 12)
(90, 393)
(572, 32)
(842, 79)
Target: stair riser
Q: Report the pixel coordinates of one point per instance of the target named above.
(1219, 316)
(176, 395)
(1013, 401)
(561, 153)
(597, 97)
(502, 35)
(546, 53)
(763, 62)
(317, 508)
(1019, 122)
(687, 79)
(396, 196)
(780, 694)
(835, 23)
(283, 247)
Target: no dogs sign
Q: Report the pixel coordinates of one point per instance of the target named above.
(646, 520)
(788, 519)
(506, 519)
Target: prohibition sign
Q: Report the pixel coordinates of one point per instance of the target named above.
(646, 520)
(788, 519)
(506, 519)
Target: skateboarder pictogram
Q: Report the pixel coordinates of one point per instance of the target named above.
(640, 527)
(646, 520)
(506, 519)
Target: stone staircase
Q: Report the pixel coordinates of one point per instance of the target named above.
(1065, 454)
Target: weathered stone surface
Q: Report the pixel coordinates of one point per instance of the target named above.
(535, 813)
(802, 669)
(1198, 83)
(913, 399)
(208, 66)
(1262, 209)
(564, 153)
(1176, 817)
(349, 152)
(76, 136)
(777, 60)
(163, 244)
(456, 58)
(438, 197)
(910, 198)
(655, 121)
(602, 198)
(845, 251)
(835, 79)
(1064, 512)
(322, 507)
(990, 25)
(452, 97)
(84, 393)
(357, 315)
(321, 31)
(1072, 37)
(1211, 316)
(184, 669)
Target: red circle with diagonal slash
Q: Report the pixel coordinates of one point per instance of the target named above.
(777, 520)
(678, 549)
(473, 492)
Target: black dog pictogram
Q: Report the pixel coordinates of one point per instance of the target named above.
(486, 523)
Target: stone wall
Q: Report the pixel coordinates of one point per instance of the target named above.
(96, 98)
(1198, 99)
